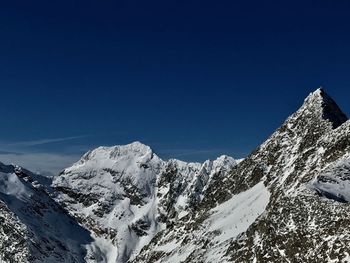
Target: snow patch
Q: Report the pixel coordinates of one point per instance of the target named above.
(237, 214)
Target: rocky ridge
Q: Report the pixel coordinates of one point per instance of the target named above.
(303, 166)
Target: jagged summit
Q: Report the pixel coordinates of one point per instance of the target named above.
(318, 96)
(324, 106)
(318, 116)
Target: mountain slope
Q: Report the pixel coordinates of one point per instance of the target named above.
(33, 227)
(126, 194)
(297, 165)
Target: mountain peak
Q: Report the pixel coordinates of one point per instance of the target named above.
(319, 101)
(136, 147)
(316, 97)
(114, 152)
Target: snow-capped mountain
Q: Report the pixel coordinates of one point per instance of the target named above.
(296, 190)
(288, 201)
(127, 194)
(34, 228)
(104, 208)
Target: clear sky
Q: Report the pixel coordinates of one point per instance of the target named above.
(192, 79)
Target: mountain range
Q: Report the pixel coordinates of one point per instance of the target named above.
(288, 201)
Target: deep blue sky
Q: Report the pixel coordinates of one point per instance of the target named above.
(193, 79)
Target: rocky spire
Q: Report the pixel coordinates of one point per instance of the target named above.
(324, 106)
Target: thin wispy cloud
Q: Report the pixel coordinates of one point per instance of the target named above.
(40, 162)
(26, 154)
(10, 152)
(45, 141)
